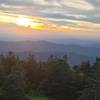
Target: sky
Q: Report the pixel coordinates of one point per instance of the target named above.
(47, 19)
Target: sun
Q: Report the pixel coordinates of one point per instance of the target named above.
(26, 22)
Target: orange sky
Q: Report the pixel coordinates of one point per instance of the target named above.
(39, 23)
(44, 19)
(20, 26)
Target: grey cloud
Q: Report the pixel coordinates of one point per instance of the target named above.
(16, 2)
(96, 3)
(56, 9)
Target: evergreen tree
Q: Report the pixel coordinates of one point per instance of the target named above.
(92, 90)
(13, 87)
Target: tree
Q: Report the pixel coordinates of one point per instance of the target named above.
(13, 87)
(85, 68)
(9, 62)
(31, 71)
(92, 91)
(59, 83)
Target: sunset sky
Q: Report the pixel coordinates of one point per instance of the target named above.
(47, 19)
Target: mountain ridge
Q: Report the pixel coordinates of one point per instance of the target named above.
(45, 48)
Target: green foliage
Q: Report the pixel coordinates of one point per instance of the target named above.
(92, 90)
(38, 98)
(13, 87)
(54, 79)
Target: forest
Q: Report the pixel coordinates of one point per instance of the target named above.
(55, 79)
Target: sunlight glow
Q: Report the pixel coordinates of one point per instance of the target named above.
(26, 22)
(40, 23)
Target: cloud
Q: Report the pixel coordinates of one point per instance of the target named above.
(16, 3)
(57, 11)
(79, 4)
(12, 6)
(96, 3)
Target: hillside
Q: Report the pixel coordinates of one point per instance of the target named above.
(43, 49)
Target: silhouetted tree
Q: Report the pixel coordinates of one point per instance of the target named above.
(13, 87)
(92, 91)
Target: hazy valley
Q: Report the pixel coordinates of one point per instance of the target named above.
(76, 51)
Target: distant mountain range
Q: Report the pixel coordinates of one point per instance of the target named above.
(43, 49)
(82, 42)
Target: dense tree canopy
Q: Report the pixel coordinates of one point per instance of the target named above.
(55, 78)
